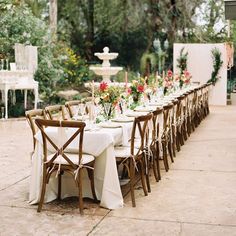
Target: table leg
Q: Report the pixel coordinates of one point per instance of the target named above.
(35, 97)
(25, 99)
(2, 93)
(6, 102)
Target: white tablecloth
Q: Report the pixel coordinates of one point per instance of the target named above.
(97, 143)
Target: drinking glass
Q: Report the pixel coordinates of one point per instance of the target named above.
(107, 109)
(82, 109)
(2, 112)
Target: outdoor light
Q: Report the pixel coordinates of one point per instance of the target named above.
(157, 44)
(166, 44)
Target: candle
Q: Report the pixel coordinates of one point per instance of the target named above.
(93, 90)
(163, 74)
(157, 77)
(126, 81)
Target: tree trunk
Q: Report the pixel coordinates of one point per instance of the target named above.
(53, 18)
(155, 20)
(90, 32)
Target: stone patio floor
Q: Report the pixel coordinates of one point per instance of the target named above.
(196, 197)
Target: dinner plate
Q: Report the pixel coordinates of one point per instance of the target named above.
(80, 118)
(123, 119)
(109, 125)
(143, 109)
(136, 114)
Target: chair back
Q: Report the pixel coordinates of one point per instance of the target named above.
(31, 115)
(155, 124)
(78, 132)
(56, 112)
(140, 128)
(71, 105)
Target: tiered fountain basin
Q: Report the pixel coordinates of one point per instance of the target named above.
(106, 70)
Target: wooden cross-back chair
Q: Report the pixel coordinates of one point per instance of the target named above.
(56, 112)
(133, 157)
(31, 115)
(174, 125)
(190, 105)
(71, 104)
(155, 143)
(166, 135)
(61, 161)
(180, 122)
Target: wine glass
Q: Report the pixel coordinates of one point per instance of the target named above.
(107, 110)
(82, 110)
(2, 112)
(76, 111)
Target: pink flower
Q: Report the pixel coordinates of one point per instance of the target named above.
(169, 73)
(103, 86)
(140, 88)
(129, 90)
(186, 74)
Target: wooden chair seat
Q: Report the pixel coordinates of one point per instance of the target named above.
(86, 159)
(124, 152)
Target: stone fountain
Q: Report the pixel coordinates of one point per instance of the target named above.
(106, 70)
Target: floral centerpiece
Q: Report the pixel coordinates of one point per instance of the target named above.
(184, 78)
(168, 81)
(136, 89)
(108, 97)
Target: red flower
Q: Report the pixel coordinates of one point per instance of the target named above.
(103, 86)
(140, 88)
(129, 90)
(169, 73)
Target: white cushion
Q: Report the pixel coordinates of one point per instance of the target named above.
(86, 158)
(124, 151)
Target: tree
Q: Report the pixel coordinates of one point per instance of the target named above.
(53, 18)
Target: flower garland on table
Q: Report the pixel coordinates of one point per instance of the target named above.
(217, 64)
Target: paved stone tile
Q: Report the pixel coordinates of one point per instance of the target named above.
(196, 197)
(121, 226)
(187, 196)
(207, 230)
(20, 221)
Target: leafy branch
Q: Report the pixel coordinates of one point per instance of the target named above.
(182, 61)
(217, 64)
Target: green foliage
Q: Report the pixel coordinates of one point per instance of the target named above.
(182, 61)
(148, 57)
(76, 72)
(217, 63)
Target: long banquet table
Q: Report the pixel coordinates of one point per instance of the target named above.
(99, 143)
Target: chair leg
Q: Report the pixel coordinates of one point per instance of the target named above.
(174, 145)
(165, 160)
(43, 189)
(142, 178)
(155, 165)
(132, 175)
(170, 151)
(148, 180)
(157, 161)
(81, 207)
(59, 186)
(91, 178)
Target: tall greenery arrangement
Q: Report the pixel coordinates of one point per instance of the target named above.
(217, 64)
(182, 61)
